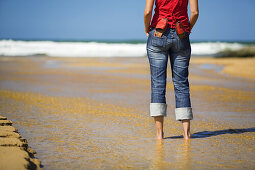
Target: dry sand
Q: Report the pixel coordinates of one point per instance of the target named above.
(92, 113)
(15, 154)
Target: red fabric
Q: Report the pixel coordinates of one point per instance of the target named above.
(162, 24)
(173, 10)
(179, 28)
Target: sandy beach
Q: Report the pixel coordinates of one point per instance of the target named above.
(93, 113)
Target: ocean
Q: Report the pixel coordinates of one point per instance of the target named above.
(102, 48)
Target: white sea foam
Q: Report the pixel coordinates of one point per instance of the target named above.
(95, 49)
(211, 48)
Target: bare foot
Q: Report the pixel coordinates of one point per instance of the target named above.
(159, 126)
(186, 128)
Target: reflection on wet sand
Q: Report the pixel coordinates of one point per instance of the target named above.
(158, 160)
(180, 155)
(184, 152)
(92, 113)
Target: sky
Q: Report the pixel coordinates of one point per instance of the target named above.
(219, 20)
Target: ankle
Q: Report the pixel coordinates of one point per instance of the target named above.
(186, 134)
(159, 135)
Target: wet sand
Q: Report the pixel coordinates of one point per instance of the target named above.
(92, 113)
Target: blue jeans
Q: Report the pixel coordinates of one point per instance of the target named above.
(179, 50)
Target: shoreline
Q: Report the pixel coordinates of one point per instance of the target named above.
(235, 67)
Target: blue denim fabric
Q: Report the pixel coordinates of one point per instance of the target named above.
(179, 51)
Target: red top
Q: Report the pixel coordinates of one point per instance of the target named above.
(173, 10)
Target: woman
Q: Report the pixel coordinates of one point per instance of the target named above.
(179, 50)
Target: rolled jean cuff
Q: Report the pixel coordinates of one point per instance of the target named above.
(183, 113)
(158, 109)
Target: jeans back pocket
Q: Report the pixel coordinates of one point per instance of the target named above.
(158, 41)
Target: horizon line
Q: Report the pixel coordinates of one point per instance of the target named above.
(115, 40)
